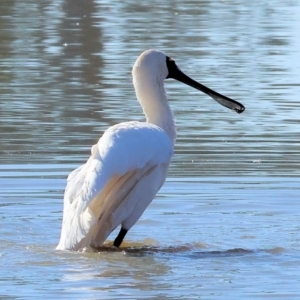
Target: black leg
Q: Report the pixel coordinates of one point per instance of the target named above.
(119, 239)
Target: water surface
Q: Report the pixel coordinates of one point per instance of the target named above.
(226, 223)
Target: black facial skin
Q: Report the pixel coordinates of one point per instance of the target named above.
(176, 73)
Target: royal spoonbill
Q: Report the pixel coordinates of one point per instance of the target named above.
(129, 163)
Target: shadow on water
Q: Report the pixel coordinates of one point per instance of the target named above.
(189, 250)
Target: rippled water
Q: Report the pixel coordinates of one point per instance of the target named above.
(226, 223)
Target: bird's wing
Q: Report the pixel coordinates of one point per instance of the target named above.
(121, 200)
(125, 154)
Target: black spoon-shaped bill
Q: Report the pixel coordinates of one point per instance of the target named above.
(176, 73)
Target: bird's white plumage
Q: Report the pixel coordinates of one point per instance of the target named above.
(130, 148)
(126, 168)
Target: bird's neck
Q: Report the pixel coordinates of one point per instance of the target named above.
(152, 97)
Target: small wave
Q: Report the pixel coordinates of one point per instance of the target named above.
(149, 246)
(221, 253)
(193, 250)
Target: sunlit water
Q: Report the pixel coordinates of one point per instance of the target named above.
(226, 223)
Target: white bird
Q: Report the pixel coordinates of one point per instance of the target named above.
(129, 163)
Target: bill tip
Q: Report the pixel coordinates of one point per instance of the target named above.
(239, 110)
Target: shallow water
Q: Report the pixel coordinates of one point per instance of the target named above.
(201, 237)
(226, 223)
